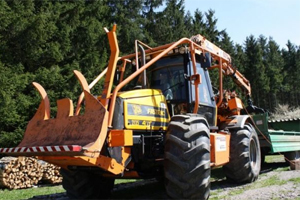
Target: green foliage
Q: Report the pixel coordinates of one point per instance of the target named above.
(44, 41)
(256, 70)
(29, 193)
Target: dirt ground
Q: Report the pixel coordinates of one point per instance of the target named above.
(276, 181)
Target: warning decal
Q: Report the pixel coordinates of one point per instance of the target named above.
(220, 143)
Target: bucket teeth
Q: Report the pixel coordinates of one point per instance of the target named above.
(43, 111)
(84, 86)
(82, 81)
(65, 108)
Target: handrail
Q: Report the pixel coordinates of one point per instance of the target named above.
(141, 69)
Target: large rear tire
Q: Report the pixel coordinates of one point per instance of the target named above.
(187, 158)
(245, 156)
(86, 185)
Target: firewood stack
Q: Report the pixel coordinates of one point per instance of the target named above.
(25, 172)
(51, 173)
(21, 172)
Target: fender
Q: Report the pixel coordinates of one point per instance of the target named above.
(235, 121)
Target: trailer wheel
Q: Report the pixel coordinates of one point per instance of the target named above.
(245, 156)
(187, 158)
(86, 185)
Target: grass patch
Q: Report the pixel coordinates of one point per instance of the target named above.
(295, 180)
(120, 181)
(273, 180)
(274, 158)
(282, 169)
(237, 192)
(29, 193)
(215, 192)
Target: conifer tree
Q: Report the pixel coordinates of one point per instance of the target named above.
(150, 20)
(291, 71)
(274, 65)
(127, 15)
(170, 23)
(255, 70)
(199, 25)
(211, 31)
(226, 45)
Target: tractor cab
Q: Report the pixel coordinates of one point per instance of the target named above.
(172, 76)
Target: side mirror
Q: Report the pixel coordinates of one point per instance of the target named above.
(205, 60)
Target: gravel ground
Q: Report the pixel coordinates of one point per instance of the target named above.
(276, 181)
(287, 186)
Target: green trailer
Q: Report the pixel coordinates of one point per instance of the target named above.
(278, 136)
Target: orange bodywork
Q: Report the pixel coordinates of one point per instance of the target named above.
(219, 154)
(114, 48)
(108, 164)
(118, 138)
(235, 105)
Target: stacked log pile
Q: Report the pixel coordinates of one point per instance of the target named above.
(51, 173)
(25, 172)
(21, 172)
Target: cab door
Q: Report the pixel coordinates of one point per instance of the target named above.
(207, 105)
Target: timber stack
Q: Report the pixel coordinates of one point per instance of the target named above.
(21, 172)
(51, 173)
(25, 172)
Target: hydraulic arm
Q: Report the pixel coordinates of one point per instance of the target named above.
(224, 62)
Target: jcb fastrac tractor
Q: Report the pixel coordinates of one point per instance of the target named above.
(158, 116)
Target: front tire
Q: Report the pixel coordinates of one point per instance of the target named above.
(187, 158)
(245, 156)
(86, 185)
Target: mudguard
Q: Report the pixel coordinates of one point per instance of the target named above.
(235, 121)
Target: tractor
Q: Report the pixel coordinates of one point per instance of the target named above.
(160, 115)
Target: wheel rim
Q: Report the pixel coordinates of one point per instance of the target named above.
(253, 153)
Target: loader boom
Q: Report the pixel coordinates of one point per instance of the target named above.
(225, 62)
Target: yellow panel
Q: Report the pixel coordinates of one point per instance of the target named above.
(139, 93)
(146, 110)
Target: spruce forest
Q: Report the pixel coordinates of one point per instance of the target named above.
(44, 41)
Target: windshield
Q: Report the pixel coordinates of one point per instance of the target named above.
(167, 74)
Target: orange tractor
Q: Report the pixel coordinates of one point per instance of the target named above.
(158, 116)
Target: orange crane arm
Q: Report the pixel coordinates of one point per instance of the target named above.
(225, 62)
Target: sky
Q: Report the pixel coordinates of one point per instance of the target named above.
(279, 19)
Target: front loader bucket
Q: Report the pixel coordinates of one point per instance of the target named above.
(66, 134)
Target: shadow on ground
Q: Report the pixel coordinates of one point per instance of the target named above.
(153, 189)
